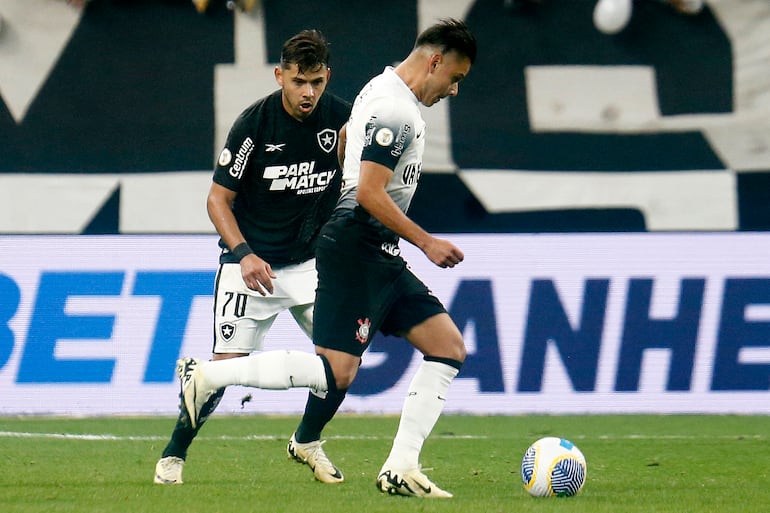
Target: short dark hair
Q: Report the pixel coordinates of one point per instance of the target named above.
(308, 49)
(450, 35)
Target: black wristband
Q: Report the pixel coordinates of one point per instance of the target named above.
(241, 250)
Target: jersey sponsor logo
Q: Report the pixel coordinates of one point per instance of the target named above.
(225, 157)
(364, 327)
(327, 139)
(398, 146)
(390, 249)
(300, 177)
(270, 148)
(384, 137)
(411, 173)
(241, 158)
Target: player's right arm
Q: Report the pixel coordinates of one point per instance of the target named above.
(381, 154)
(256, 272)
(372, 196)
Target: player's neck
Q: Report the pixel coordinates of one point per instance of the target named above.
(413, 71)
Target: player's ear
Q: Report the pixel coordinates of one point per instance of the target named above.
(435, 60)
(278, 75)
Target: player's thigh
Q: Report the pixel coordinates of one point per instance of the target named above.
(303, 315)
(420, 317)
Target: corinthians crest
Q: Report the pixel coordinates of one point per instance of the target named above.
(362, 333)
(327, 139)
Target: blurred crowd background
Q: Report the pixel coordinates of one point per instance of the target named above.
(579, 116)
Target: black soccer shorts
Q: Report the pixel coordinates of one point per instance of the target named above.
(363, 288)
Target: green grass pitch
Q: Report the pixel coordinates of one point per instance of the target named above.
(636, 463)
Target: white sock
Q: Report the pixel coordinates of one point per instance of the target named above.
(274, 370)
(422, 407)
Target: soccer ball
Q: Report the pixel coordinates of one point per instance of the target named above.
(553, 466)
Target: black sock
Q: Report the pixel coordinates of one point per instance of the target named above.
(183, 434)
(181, 438)
(318, 413)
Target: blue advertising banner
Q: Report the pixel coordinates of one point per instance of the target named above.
(553, 323)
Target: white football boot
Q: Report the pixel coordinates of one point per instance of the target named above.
(313, 455)
(412, 483)
(195, 389)
(168, 470)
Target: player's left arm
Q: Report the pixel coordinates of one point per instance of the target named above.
(372, 196)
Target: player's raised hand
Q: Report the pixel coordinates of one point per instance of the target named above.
(443, 253)
(257, 274)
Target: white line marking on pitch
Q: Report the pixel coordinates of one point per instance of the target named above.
(153, 438)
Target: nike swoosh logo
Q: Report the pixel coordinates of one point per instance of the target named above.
(426, 490)
(336, 474)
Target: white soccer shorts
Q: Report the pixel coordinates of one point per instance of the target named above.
(242, 317)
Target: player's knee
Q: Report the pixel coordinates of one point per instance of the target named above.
(457, 350)
(344, 380)
(344, 375)
(450, 350)
(341, 367)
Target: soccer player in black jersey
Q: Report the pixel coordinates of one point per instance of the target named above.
(364, 285)
(275, 184)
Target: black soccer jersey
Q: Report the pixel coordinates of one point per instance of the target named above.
(286, 175)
